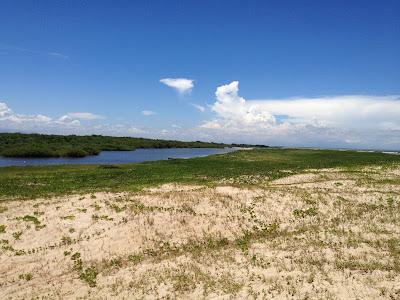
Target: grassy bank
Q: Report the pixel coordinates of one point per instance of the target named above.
(241, 167)
(40, 145)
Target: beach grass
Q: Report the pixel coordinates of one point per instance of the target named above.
(240, 168)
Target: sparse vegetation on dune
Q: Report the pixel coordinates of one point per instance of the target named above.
(261, 224)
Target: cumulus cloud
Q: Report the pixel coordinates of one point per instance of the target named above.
(198, 107)
(67, 124)
(338, 121)
(7, 115)
(181, 85)
(148, 113)
(4, 110)
(231, 107)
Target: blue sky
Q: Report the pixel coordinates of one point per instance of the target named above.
(294, 62)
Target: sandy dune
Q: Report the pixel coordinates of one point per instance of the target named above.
(326, 234)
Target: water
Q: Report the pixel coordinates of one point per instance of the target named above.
(116, 157)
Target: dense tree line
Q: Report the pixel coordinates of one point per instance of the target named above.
(41, 145)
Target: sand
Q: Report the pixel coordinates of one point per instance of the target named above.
(326, 234)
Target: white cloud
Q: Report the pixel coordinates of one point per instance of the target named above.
(339, 121)
(148, 113)
(4, 110)
(164, 131)
(181, 85)
(6, 114)
(82, 116)
(351, 112)
(230, 107)
(67, 124)
(198, 107)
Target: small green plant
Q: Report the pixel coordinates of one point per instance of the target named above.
(104, 217)
(71, 230)
(32, 219)
(70, 217)
(2, 228)
(116, 262)
(66, 240)
(6, 246)
(3, 209)
(117, 208)
(27, 276)
(390, 201)
(17, 235)
(89, 275)
(244, 242)
(20, 252)
(82, 210)
(135, 258)
(302, 213)
(38, 213)
(66, 253)
(95, 206)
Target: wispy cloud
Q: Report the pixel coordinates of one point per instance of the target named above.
(47, 53)
(83, 116)
(58, 55)
(198, 107)
(181, 85)
(148, 113)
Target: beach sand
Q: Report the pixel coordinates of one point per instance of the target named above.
(323, 234)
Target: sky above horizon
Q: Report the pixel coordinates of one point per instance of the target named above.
(289, 73)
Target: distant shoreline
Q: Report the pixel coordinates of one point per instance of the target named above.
(44, 146)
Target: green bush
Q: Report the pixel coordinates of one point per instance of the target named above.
(40, 145)
(33, 151)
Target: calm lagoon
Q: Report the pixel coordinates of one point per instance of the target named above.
(117, 157)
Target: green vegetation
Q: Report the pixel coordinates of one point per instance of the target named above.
(87, 275)
(70, 217)
(40, 145)
(302, 213)
(17, 235)
(34, 220)
(104, 217)
(27, 276)
(32, 182)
